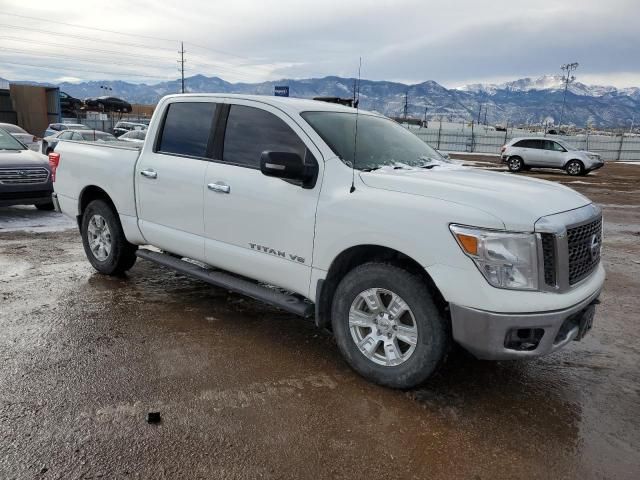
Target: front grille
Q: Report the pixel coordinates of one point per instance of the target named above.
(23, 176)
(583, 243)
(22, 195)
(549, 258)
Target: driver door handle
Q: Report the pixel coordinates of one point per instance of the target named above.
(219, 187)
(149, 173)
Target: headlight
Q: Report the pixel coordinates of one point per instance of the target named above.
(507, 260)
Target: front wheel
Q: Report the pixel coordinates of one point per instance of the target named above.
(105, 245)
(387, 325)
(575, 167)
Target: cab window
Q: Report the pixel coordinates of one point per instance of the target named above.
(250, 131)
(187, 129)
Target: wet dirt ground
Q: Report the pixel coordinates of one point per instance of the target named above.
(246, 391)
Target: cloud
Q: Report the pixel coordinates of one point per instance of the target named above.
(404, 40)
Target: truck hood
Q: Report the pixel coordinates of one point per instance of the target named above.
(516, 200)
(22, 158)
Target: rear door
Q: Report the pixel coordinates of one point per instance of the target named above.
(534, 153)
(170, 178)
(259, 226)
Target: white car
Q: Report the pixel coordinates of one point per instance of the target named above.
(54, 128)
(524, 153)
(399, 251)
(49, 143)
(133, 136)
(20, 134)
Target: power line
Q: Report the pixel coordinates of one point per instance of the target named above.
(82, 37)
(57, 67)
(76, 47)
(27, 52)
(48, 20)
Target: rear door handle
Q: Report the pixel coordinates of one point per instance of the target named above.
(149, 173)
(219, 187)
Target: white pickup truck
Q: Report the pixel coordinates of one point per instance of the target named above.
(343, 215)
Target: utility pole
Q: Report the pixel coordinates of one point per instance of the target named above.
(181, 62)
(425, 124)
(406, 104)
(479, 113)
(485, 114)
(567, 78)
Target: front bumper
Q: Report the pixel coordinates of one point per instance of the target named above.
(490, 335)
(596, 165)
(37, 197)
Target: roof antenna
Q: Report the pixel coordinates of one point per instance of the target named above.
(355, 135)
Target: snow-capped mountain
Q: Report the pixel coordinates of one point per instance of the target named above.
(523, 101)
(546, 82)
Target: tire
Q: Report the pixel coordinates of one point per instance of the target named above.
(45, 206)
(575, 168)
(515, 164)
(107, 250)
(430, 336)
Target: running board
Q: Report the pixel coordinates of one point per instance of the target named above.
(290, 303)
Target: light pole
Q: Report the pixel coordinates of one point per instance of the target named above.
(567, 78)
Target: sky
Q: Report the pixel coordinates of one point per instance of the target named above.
(454, 43)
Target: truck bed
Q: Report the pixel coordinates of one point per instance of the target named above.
(102, 165)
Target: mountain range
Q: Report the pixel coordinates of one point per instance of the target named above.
(519, 102)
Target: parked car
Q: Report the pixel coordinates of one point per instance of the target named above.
(398, 250)
(49, 143)
(25, 175)
(107, 104)
(30, 141)
(134, 136)
(59, 127)
(524, 153)
(124, 127)
(69, 104)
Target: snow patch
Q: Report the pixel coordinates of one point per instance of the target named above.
(30, 219)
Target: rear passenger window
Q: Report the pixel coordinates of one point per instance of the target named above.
(186, 129)
(250, 131)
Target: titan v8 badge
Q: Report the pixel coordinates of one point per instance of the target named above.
(277, 253)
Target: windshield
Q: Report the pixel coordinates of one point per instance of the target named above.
(11, 128)
(381, 142)
(566, 145)
(7, 142)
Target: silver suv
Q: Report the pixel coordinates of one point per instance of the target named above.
(524, 153)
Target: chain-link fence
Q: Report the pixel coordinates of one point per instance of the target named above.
(611, 147)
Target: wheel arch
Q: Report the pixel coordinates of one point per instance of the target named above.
(574, 159)
(88, 195)
(357, 255)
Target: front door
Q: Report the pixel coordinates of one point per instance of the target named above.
(170, 179)
(259, 226)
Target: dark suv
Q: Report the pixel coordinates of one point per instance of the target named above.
(107, 104)
(25, 175)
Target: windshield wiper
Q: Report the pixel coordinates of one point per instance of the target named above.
(370, 169)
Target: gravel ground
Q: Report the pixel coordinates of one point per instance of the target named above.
(247, 391)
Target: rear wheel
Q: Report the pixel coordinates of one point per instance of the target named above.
(515, 164)
(387, 326)
(104, 242)
(575, 167)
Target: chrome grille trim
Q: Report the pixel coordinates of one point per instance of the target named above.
(565, 228)
(23, 176)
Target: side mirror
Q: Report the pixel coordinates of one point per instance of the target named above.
(287, 165)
